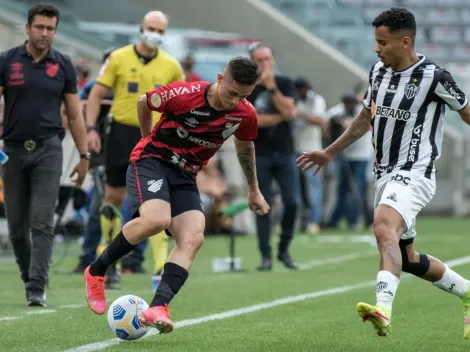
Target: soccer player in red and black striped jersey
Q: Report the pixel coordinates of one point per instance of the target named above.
(198, 117)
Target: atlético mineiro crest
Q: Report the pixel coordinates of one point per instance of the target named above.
(411, 90)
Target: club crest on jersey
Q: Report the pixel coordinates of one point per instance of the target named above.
(230, 129)
(411, 90)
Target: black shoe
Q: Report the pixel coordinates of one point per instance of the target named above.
(35, 297)
(112, 278)
(287, 260)
(79, 269)
(138, 269)
(266, 265)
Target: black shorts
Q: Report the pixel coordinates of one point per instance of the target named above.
(121, 141)
(151, 178)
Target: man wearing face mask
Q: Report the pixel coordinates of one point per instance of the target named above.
(130, 71)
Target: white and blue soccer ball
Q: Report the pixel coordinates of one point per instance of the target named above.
(123, 317)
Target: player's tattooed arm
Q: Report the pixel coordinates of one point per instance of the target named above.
(358, 127)
(246, 158)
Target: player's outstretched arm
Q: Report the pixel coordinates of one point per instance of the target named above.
(358, 127)
(145, 116)
(465, 114)
(319, 158)
(246, 158)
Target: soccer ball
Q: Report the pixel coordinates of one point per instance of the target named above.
(123, 316)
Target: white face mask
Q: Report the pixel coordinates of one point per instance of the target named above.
(152, 39)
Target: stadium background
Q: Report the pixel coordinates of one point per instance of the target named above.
(329, 41)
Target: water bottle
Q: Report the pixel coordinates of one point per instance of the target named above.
(3, 157)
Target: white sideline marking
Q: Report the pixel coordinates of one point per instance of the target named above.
(316, 262)
(257, 307)
(331, 260)
(8, 318)
(41, 311)
(72, 306)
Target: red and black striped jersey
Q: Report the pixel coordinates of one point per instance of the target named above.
(190, 131)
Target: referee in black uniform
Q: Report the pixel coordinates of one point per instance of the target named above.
(35, 79)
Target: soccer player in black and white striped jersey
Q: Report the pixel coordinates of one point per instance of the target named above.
(404, 105)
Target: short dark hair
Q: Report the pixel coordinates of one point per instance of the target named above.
(244, 70)
(396, 19)
(43, 9)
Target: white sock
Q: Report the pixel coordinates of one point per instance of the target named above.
(453, 283)
(387, 285)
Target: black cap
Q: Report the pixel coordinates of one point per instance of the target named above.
(349, 97)
(302, 82)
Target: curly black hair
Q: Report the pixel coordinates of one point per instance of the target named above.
(243, 70)
(396, 19)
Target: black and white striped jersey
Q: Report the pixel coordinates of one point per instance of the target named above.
(407, 115)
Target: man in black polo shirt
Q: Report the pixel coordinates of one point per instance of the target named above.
(35, 79)
(275, 157)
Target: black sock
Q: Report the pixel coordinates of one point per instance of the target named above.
(117, 249)
(173, 278)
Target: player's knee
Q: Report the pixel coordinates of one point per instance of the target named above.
(191, 242)
(384, 231)
(413, 263)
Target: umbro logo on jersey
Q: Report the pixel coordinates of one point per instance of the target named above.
(191, 122)
(155, 186)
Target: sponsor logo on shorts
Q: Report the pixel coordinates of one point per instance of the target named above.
(155, 186)
(401, 179)
(393, 197)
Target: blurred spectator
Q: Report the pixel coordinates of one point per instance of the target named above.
(188, 68)
(352, 164)
(275, 156)
(214, 196)
(308, 129)
(83, 71)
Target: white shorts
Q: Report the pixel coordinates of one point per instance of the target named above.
(408, 193)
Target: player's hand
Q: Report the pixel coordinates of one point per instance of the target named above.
(94, 142)
(257, 203)
(80, 170)
(318, 158)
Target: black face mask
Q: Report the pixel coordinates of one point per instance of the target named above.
(187, 66)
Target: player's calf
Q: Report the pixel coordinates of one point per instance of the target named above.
(387, 230)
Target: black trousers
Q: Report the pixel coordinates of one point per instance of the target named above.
(31, 186)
